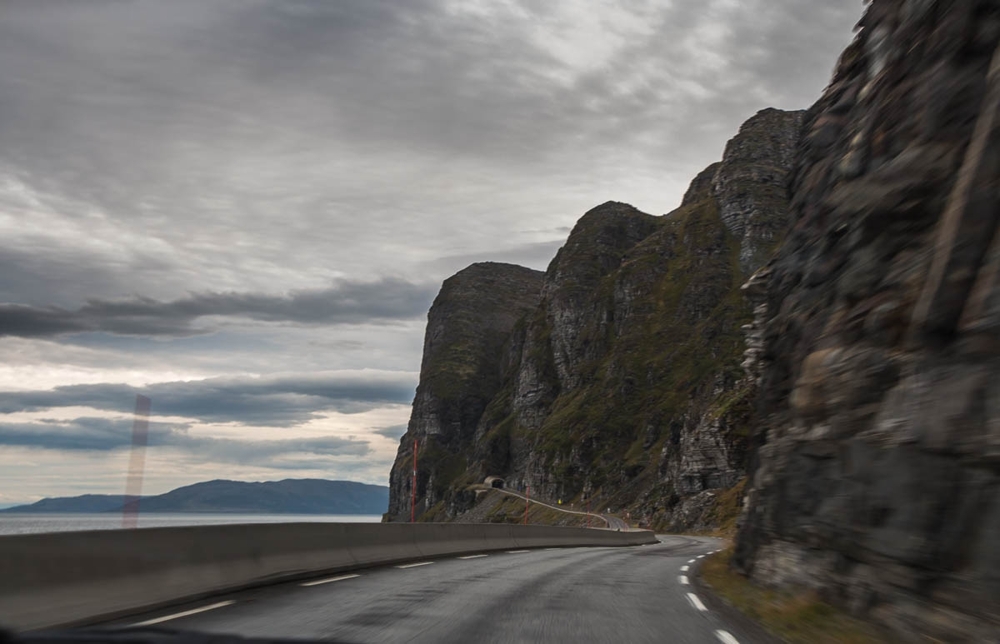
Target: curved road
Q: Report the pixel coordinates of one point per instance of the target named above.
(612, 522)
(637, 594)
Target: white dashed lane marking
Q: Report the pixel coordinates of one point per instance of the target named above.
(473, 556)
(329, 580)
(516, 552)
(696, 602)
(726, 638)
(194, 611)
(414, 565)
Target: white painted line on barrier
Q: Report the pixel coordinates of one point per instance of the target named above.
(696, 602)
(684, 580)
(685, 568)
(726, 638)
(414, 565)
(193, 611)
(517, 552)
(473, 556)
(330, 580)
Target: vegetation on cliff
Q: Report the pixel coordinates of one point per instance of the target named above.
(467, 331)
(621, 380)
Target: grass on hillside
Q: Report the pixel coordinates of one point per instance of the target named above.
(796, 618)
(728, 505)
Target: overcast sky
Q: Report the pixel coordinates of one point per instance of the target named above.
(243, 208)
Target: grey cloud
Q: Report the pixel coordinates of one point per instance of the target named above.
(273, 401)
(410, 75)
(90, 434)
(346, 302)
(257, 140)
(235, 148)
(394, 432)
(535, 255)
(101, 434)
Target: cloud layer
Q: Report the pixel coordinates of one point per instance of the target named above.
(346, 302)
(200, 197)
(102, 434)
(276, 401)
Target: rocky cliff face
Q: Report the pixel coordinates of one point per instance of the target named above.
(621, 381)
(878, 335)
(468, 327)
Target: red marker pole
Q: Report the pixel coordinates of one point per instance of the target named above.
(527, 501)
(413, 485)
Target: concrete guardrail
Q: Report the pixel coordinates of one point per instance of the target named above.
(66, 578)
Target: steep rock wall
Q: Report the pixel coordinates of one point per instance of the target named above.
(468, 327)
(652, 412)
(878, 339)
(623, 382)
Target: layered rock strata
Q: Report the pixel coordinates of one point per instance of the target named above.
(468, 327)
(878, 482)
(622, 381)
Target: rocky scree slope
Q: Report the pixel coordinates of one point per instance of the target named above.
(620, 380)
(878, 343)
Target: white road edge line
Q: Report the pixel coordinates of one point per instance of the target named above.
(684, 580)
(328, 581)
(193, 611)
(696, 602)
(414, 565)
(517, 552)
(726, 638)
(685, 568)
(473, 556)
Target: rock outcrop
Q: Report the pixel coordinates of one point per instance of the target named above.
(878, 339)
(468, 327)
(622, 382)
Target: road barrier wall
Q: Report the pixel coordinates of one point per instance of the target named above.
(65, 578)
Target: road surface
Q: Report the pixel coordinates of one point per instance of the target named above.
(637, 594)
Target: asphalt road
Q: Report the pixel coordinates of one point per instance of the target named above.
(574, 595)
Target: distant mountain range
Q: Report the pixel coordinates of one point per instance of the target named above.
(290, 496)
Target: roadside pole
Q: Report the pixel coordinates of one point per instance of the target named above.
(527, 502)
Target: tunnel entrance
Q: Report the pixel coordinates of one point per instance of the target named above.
(494, 482)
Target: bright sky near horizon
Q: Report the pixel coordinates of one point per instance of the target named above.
(243, 208)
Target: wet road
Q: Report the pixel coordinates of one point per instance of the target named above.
(637, 594)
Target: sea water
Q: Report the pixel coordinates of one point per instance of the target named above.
(29, 523)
